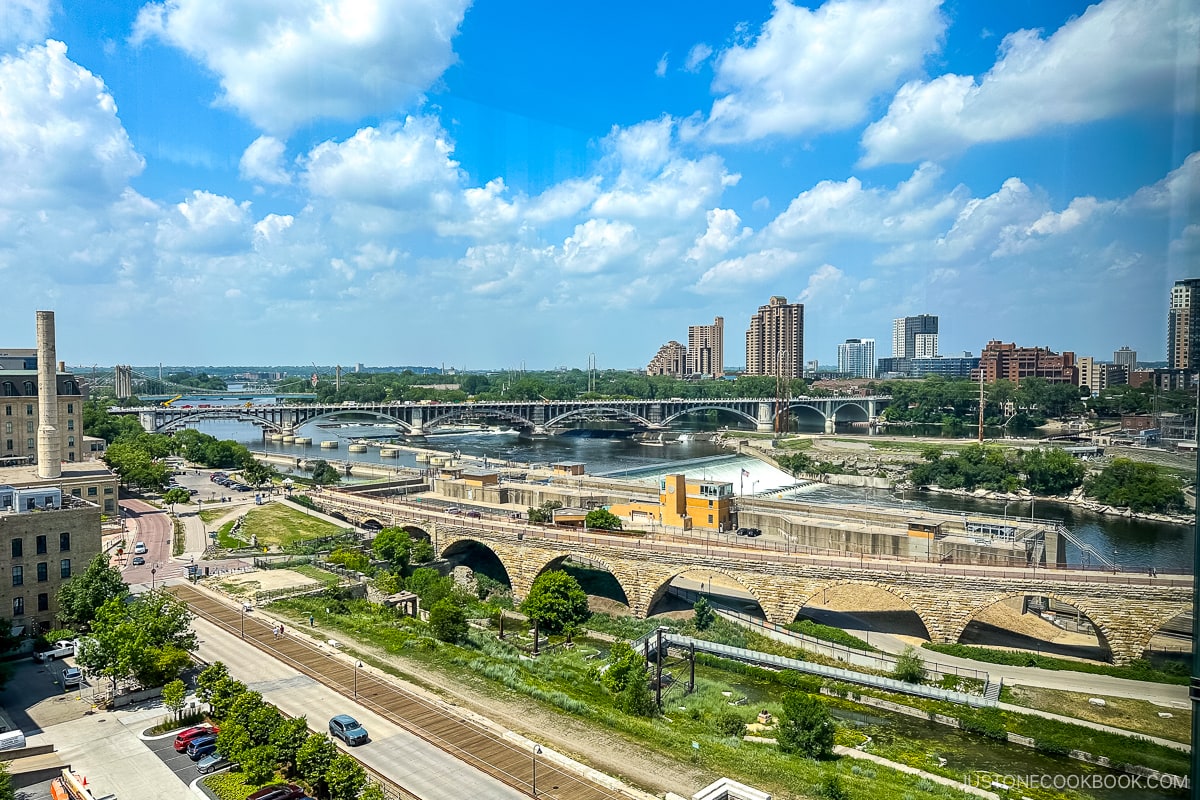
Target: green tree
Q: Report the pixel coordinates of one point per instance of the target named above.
(313, 760)
(1051, 471)
(602, 519)
(287, 739)
(80, 598)
(344, 778)
(429, 585)
(545, 512)
(448, 621)
(730, 723)
(910, 667)
(176, 495)
(323, 473)
(805, 726)
(209, 679)
(556, 600)
(704, 614)
(256, 473)
(174, 694)
(7, 790)
(422, 551)
(1138, 486)
(257, 763)
(146, 639)
(350, 559)
(393, 545)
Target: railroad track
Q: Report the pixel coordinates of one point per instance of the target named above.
(470, 742)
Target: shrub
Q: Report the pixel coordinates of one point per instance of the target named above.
(805, 726)
(730, 723)
(832, 789)
(909, 666)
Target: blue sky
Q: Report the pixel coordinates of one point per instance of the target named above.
(486, 184)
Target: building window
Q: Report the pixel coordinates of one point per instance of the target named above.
(70, 410)
(92, 491)
(77, 492)
(29, 427)
(8, 427)
(8, 411)
(18, 606)
(710, 519)
(64, 568)
(108, 490)
(43, 570)
(8, 445)
(43, 602)
(29, 445)
(18, 575)
(29, 409)
(108, 505)
(41, 545)
(18, 548)
(64, 541)
(70, 424)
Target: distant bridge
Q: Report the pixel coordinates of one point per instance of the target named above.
(417, 419)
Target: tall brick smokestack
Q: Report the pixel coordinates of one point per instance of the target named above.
(49, 450)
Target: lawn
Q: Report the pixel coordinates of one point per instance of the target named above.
(1125, 713)
(280, 524)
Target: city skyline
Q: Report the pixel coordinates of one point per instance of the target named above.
(454, 184)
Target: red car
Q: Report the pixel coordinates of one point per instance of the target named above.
(185, 737)
(278, 791)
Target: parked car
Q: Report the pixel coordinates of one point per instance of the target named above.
(212, 762)
(201, 746)
(346, 728)
(278, 791)
(60, 649)
(184, 738)
(71, 677)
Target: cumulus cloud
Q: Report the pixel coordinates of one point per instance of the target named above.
(595, 244)
(262, 162)
(826, 281)
(723, 233)
(60, 138)
(282, 65)
(1117, 57)
(752, 268)
(207, 224)
(697, 56)
(818, 70)
(23, 21)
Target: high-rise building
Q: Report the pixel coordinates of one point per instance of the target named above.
(706, 349)
(775, 340)
(856, 358)
(1126, 358)
(123, 381)
(1183, 325)
(671, 359)
(915, 337)
(1006, 361)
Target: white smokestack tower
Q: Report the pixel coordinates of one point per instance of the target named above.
(49, 450)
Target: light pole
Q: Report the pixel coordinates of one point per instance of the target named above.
(242, 606)
(153, 570)
(537, 750)
(357, 666)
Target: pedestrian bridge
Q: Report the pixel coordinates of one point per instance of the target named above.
(1125, 609)
(417, 419)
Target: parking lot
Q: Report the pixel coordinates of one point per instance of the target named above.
(179, 763)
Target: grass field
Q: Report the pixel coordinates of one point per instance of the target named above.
(279, 524)
(1125, 713)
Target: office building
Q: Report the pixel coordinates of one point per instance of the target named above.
(706, 350)
(1006, 361)
(671, 359)
(682, 503)
(775, 340)
(1183, 325)
(950, 368)
(856, 358)
(915, 337)
(1126, 358)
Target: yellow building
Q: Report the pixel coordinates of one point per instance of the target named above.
(682, 504)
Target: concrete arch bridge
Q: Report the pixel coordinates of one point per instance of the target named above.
(417, 419)
(1125, 609)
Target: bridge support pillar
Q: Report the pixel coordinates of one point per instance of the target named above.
(830, 425)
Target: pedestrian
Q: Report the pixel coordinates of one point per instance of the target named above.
(312, 623)
(275, 631)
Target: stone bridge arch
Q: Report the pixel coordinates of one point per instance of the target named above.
(591, 561)
(501, 555)
(860, 413)
(1102, 628)
(657, 590)
(480, 410)
(919, 603)
(752, 419)
(622, 413)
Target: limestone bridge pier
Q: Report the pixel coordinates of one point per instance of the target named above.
(1126, 609)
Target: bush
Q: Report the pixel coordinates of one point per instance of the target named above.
(832, 789)
(805, 726)
(909, 666)
(448, 621)
(730, 723)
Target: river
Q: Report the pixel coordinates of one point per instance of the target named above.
(1136, 544)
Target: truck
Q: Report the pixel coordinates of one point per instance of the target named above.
(60, 649)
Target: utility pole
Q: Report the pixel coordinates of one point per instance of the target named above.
(1194, 691)
(782, 390)
(981, 402)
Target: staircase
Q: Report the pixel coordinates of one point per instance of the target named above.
(991, 691)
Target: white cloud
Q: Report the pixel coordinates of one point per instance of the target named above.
(697, 56)
(723, 233)
(642, 148)
(272, 226)
(752, 268)
(23, 21)
(263, 162)
(813, 71)
(1118, 57)
(207, 224)
(60, 139)
(595, 245)
(827, 281)
(660, 69)
(284, 64)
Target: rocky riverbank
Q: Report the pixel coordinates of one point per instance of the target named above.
(1076, 499)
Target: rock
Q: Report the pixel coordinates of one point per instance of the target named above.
(1165, 715)
(1096, 701)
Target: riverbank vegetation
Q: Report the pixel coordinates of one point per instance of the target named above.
(1137, 670)
(1048, 471)
(1137, 486)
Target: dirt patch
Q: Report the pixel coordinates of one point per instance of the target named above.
(605, 605)
(248, 585)
(1007, 615)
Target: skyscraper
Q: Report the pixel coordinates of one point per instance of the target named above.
(915, 337)
(671, 359)
(856, 358)
(1183, 325)
(775, 340)
(706, 349)
(1126, 358)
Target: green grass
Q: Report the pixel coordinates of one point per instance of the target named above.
(1126, 713)
(212, 514)
(280, 524)
(227, 540)
(1139, 670)
(829, 634)
(231, 785)
(567, 681)
(317, 574)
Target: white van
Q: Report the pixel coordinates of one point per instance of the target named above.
(139, 549)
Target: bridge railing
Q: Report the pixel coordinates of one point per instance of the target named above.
(745, 549)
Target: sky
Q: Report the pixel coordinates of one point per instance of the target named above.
(488, 185)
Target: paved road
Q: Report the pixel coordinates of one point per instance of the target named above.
(412, 762)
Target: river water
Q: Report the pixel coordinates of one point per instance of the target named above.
(1135, 544)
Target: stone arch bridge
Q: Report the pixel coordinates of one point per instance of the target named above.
(1125, 609)
(538, 417)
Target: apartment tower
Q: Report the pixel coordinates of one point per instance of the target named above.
(915, 337)
(1183, 325)
(856, 358)
(775, 340)
(706, 349)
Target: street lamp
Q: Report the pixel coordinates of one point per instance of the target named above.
(357, 666)
(537, 750)
(242, 606)
(153, 570)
